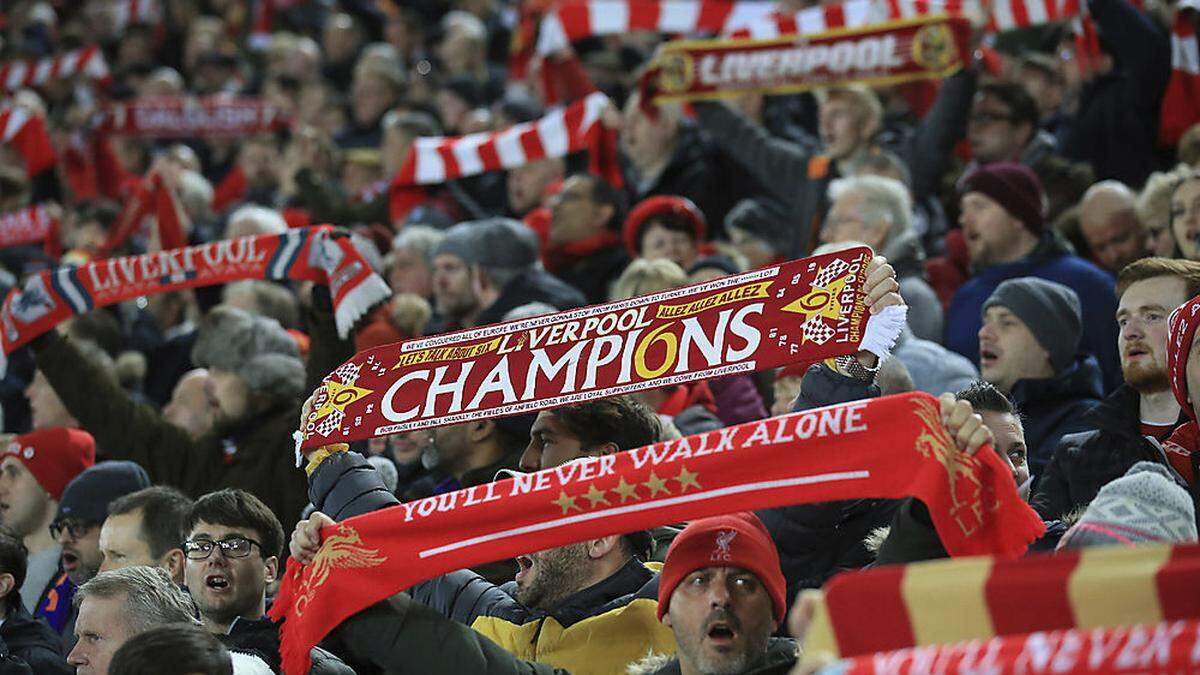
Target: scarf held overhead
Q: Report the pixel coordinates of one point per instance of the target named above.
(182, 117)
(890, 53)
(88, 61)
(310, 254)
(803, 310)
(27, 226)
(879, 448)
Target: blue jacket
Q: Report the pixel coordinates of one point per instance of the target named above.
(1097, 297)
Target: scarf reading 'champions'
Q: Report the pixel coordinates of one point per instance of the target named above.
(307, 254)
(880, 448)
(803, 310)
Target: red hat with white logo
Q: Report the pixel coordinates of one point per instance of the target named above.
(734, 540)
(54, 456)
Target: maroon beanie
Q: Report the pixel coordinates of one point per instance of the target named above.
(1014, 187)
(54, 456)
(734, 540)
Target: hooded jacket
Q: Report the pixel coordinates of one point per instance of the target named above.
(1054, 407)
(533, 285)
(1084, 462)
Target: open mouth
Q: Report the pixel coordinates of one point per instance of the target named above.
(721, 633)
(216, 582)
(987, 355)
(70, 561)
(524, 567)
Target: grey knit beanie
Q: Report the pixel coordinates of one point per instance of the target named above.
(501, 243)
(1051, 312)
(1145, 505)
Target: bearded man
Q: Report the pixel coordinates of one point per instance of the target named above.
(1141, 411)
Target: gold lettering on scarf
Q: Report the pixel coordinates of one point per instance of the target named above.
(341, 550)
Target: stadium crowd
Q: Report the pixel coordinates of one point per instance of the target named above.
(1030, 211)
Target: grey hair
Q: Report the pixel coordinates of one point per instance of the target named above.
(271, 300)
(256, 348)
(95, 354)
(886, 198)
(420, 239)
(266, 221)
(151, 596)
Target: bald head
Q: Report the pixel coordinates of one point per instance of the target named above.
(1109, 223)
(189, 407)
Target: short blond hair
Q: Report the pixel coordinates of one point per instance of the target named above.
(647, 276)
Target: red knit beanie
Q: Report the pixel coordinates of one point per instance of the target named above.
(661, 205)
(54, 456)
(734, 540)
(1014, 187)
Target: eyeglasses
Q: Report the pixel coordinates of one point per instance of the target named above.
(77, 529)
(233, 547)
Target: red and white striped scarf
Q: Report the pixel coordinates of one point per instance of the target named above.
(577, 19)
(437, 159)
(88, 61)
(26, 133)
(130, 12)
(1181, 101)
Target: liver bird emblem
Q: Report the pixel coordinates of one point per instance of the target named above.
(935, 443)
(341, 550)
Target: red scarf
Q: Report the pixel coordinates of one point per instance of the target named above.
(1168, 647)
(187, 117)
(880, 448)
(311, 254)
(26, 133)
(903, 51)
(804, 310)
(26, 226)
(1181, 329)
(88, 61)
(1181, 101)
(948, 601)
(437, 159)
(151, 197)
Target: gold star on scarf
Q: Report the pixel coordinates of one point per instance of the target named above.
(340, 396)
(687, 478)
(656, 485)
(596, 496)
(820, 301)
(626, 491)
(567, 503)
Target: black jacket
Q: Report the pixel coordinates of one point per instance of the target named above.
(261, 638)
(1054, 407)
(798, 177)
(816, 541)
(1084, 462)
(533, 285)
(33, 642)
(403, 637)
